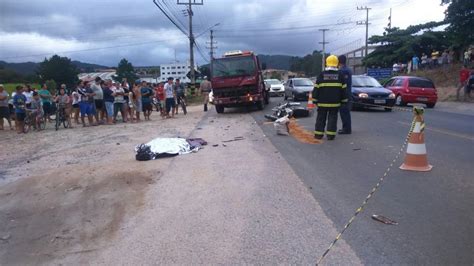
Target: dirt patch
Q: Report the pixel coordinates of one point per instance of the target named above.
(50, 216)
(301, 134)
(73, 191)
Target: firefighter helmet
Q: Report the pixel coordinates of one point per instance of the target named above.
(332, 61)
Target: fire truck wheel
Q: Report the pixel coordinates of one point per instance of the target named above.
(219, 109)
(261, 104)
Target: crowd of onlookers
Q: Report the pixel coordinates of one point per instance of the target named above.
(91, 103)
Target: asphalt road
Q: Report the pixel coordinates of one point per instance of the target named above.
(435, 210)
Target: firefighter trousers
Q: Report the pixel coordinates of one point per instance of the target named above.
(328, 114)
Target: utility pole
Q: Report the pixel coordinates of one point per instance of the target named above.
(211, 48)
(324, 47)
(190, 4)
(366, 23)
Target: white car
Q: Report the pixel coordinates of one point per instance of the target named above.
(275, 87)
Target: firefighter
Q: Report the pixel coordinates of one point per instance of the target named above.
(329, 94)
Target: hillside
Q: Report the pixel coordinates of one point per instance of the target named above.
(29, 68)
(445, 80)
(277, 61)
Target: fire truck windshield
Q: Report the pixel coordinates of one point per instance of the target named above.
(234, 66)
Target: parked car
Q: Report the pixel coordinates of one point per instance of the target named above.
(367, 90)
(298, 88)
(275, 87)
(409, 89)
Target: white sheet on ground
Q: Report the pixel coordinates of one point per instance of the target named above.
(170, 145)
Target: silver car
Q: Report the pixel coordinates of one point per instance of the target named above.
(275, 87)
(298, 88)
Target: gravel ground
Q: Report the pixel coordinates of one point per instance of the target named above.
(83, 199)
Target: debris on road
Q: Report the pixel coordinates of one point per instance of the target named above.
(281, 125)
(167, 147)
(383, 219)
(302, 134)
(356, 149)
(235, 139)
(290, 109)
(5, 237)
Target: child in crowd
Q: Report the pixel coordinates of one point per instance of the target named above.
(36, 110)
(63, 103)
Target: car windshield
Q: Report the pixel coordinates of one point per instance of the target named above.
(273, 81)
(420, 83)
(233, 66)
(370, 82)
(302, 82)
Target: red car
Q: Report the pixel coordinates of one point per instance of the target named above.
(412, 90)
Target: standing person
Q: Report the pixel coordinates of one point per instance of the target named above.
(98, 101)
(169, 94)
(29, 95)
(180, 92)
(138, 99)
(36, 109)
(204, 89)
(109, 103)
(63, 101)
(86, 103)
(147, 93)
(46, 98)
(19, 102)
(463, 79)
(118, 101)
(424, 60)
(346, 108)
(329, 93)
(76, 99)
(414, 62)
(126, 100)
(4, 110)
(160, 96)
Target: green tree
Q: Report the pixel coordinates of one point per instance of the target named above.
(52, 86)
(125, 70)
(399, 45)
(59, 69)
(310, 64)
(460, 16)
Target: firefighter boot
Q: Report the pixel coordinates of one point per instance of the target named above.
(205, 107)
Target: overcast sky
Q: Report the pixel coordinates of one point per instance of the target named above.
(104, 31)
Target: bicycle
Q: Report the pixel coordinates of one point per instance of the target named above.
(182, 102)
(61, 116)
(30, 120)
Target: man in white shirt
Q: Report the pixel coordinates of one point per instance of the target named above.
(169, 94)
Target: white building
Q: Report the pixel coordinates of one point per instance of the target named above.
(176, 71)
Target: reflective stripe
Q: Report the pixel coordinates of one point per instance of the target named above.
(345, 100)
(318, 133)
(344, 86)
(329, 105)
(330, 85)
(416, 149)
(332, 133)
(417, 128)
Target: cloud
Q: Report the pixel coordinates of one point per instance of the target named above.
(105, 31)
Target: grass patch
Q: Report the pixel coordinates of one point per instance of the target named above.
(11, 87)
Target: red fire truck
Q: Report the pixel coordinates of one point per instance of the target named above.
(237, 80)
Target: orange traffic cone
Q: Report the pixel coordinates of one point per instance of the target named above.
(310, 104)
(416, 158)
